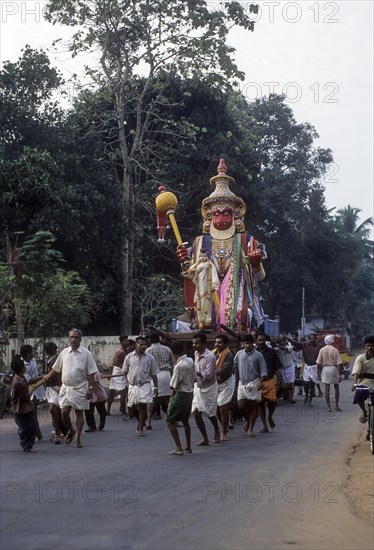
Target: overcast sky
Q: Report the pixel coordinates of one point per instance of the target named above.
(319, 54)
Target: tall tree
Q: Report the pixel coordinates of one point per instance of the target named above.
(28, 109)
(349, 218)
(285, 203)
(158, 39)
(355, 296)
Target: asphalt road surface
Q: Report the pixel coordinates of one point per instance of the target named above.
(287, 488)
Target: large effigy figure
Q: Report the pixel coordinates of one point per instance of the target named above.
(233, 255)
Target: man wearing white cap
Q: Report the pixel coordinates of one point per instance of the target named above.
(330, 364)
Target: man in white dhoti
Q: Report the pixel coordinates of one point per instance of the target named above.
(226, 381)
(310, 351)
(285, 354)
(252, 370)
(165, 362)
(331, 364)
(52, 393)
(140, 368)
(205, 392)
(118, 384)
(76, 365)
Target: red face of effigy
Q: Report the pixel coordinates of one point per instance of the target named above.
(222, 218)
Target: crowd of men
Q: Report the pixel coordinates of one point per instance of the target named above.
(150, 377)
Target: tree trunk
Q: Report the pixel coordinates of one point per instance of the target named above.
(127, 248)
(127, 229)
(19, 321)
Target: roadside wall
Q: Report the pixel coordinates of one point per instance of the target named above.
(101, 347)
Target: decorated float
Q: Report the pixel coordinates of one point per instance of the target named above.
(222, 268)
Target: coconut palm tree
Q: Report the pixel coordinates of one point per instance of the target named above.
(348, 217)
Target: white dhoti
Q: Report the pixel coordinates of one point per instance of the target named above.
(52, 394)
(74, 396)
(163, 380)
(330, 374)
(310, 373)
(139, 394)
(288, 374)
(205, 399)
(119, 383)
(226, 391)
(250, 391)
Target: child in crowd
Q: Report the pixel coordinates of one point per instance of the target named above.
(22, 406)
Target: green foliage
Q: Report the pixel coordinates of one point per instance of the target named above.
(160, 40)
(183, 38)
(66, 174)
(27, 107)
(56, 302)
(47, 299)
(28, 184)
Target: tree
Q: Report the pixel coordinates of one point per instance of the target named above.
(160, 39)
(356, 295)
(44, 299)
(158, 299)
(348, 217)
(28, 111)
(285, 204)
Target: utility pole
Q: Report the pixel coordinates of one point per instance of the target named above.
(303, 312)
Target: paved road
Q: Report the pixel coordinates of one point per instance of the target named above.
(277, 490)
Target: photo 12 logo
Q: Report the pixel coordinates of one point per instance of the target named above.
(290, 12)
(292, 91)
(270, 491)
(22, 12)
(69, 492)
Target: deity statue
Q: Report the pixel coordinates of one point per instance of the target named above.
(205, 278)
(235, 256)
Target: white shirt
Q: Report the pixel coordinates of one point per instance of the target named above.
(75, 366)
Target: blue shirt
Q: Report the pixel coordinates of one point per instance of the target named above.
(250, 366)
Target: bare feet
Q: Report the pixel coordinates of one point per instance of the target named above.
(271, 422)
(176, 452)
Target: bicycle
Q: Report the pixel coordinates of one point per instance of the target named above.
(5, 387)
(368, 393)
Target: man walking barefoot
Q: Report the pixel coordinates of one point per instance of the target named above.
(140, 368)
(269, 386)
(251, 366)
(179, 408)
(226, 381)
(205, 389)
(76, 365)
(330, 364)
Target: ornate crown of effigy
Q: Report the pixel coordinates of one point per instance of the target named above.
(220, 197)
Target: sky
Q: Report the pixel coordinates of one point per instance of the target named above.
(319, 54)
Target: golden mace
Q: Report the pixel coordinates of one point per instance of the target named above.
(167, 203)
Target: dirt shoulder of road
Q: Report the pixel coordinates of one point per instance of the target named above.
(359, 486)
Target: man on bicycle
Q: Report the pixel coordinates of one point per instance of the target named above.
(363, 374)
